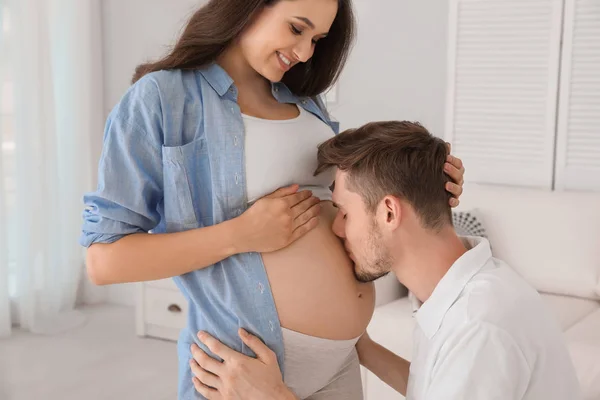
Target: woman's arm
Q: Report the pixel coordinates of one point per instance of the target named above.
(145, 257)
(273, 222)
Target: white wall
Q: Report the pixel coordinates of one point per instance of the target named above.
(136, 31)
(397, 68)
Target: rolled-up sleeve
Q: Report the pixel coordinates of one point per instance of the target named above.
(130, 184)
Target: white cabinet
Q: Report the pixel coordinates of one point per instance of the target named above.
(503, 82)
(578, 139)
(523, 94)
(161, 309)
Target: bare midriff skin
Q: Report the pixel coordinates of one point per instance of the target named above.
(314, 287)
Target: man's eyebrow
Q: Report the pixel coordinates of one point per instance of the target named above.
(306, 21)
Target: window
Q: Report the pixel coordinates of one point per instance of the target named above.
(523, 81)
(7, 133)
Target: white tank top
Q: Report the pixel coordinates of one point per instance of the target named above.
(280, 153)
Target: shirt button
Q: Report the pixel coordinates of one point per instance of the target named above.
(276, 89)
(304, 102)
(235, 141)
(237, 179)
(261, 288)
(271, 326)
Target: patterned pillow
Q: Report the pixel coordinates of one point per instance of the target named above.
(468, 223)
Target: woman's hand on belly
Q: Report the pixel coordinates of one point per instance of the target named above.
(277, 220)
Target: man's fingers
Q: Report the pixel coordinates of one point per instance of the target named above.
(263, 353)
(215, 346)
(207, 378)
(209, 393)
(284, 191)
(205, 361)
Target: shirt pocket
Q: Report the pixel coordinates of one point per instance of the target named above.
(187, 201)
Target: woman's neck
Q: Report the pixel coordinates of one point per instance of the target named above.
(243, 75)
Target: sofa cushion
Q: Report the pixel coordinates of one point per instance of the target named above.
(551, 239)
(569, 310)
(583, 340)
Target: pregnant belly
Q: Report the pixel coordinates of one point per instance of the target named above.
(314, 287)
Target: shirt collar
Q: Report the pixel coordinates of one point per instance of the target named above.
(282, 93)
(221, 82)
(432, 312)
(217, 78)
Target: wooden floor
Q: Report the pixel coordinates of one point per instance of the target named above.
(102, 360)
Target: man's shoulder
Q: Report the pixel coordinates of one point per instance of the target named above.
(499, 299)
(497, 295)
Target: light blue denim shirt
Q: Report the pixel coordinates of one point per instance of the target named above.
(173, 160)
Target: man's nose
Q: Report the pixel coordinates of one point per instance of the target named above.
(338, 226)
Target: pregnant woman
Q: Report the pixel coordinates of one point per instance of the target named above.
(206, 176)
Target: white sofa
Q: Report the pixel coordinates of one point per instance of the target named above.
(553, 240)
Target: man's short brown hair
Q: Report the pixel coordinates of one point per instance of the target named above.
(398, 158)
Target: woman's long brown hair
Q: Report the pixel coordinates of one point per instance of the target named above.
(217, 24)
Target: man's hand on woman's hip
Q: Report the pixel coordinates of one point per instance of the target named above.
(238, 377)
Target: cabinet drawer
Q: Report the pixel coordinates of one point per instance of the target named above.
(163, 284)
(166, 308)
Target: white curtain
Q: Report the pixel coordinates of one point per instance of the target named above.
(53, 57)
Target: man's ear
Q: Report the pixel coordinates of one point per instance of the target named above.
(392, 210)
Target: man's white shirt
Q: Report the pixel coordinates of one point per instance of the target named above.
(484, 333)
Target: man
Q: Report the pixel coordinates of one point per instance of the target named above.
(482, 332)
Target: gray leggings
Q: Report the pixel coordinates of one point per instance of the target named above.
(321, 369)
